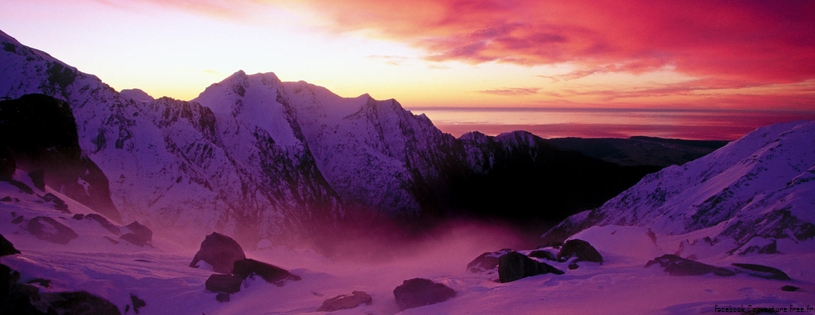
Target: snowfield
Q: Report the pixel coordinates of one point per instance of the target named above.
(159, 274)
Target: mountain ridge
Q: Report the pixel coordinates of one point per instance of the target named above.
(256, 157)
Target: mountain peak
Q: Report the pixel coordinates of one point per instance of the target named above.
(136, 95)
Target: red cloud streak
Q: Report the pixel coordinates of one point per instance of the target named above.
(751, 41)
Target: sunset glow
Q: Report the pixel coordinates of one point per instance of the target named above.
(732, 55)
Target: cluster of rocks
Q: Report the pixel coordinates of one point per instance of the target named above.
(678, 266)
(512, 265)
(51, 230)
(24, 297)
(227, 258)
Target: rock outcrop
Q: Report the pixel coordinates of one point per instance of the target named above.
(514, 266)
(580, 249)
(419, 292)
(678, 266)
(48, 229)
(345, 301)
(245, 268)
(220, 251)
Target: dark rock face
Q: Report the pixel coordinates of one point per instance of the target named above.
(47, 146)
(418, 292)
(580, 249)
(139, 234)
(514, 266)
(223, 283)
(107, 225)
(347, 301)
(486, 261)
(58, 203)
(790, 288)
(80, 303)
(762, 271)
(678, 266)
(38, 179)
(17, 299)
(272, 274)
(56, 233)
(6, 248)
(220, 251)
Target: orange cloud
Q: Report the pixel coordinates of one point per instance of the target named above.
(511, 91)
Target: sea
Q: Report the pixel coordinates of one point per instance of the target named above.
(691, 124)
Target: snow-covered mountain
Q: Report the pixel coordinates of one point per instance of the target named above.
(173, 164)
(255, 157)
(754, 195)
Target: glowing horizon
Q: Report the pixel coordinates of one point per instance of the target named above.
(445, 53)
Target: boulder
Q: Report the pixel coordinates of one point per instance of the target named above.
(222, 297)
(139, 234)
(6, 248)
(486, 261)
(762, 271)
(346, 301)
(220, 251)
(580, 249)
(678, 266)
(79, 303)
(514, 266)
(223, 283)
(137, 303)
(246, 267)
(418, 292)
(48, 229)
(790, 288)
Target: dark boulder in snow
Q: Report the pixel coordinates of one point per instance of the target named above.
(418, 292)
(580, 249)
(79, 302)
(139, 234)
(244, 268)
(762, 271)
(514, 266)
(678, 266)
(137, 303)
(6, 248)
(222, 297)
(486, 261)
(48, 229)
(790, 288)
(346, 301)
(220, 251)
(223, 283)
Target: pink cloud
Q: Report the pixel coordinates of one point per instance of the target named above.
(747, 41)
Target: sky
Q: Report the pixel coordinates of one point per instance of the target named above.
(613, 54)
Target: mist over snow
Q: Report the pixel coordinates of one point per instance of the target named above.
(337, 199)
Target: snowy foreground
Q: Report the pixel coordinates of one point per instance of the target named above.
(160, 275)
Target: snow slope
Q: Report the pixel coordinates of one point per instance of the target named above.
(159, 275)
(755, 194)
